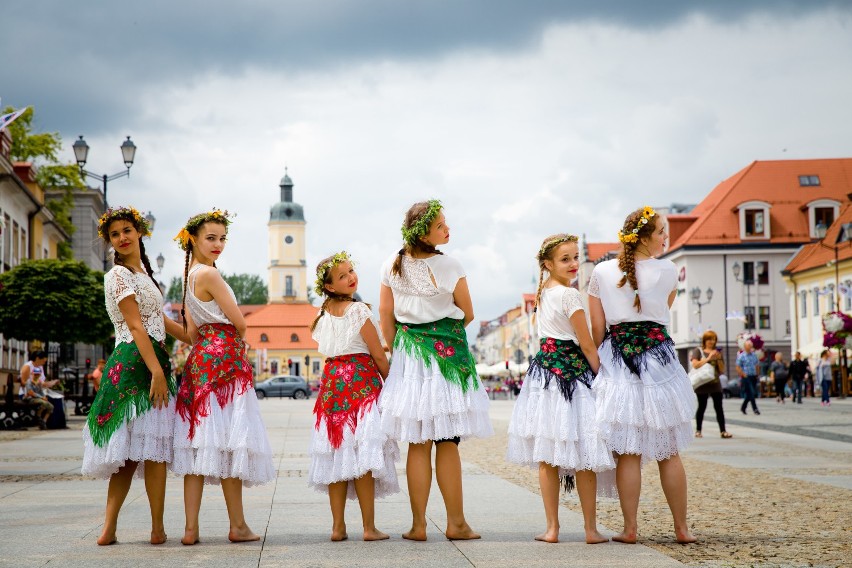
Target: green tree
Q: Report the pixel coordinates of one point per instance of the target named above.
(42, 149)
(248, 288)
(175, 291)
(54, 300)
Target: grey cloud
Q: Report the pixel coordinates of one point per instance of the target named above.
(83, 65)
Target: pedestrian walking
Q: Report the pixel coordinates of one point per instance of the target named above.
(799, 370)
(822, 374)
(553, 426)
(432, 395)
(748, 366)
(130, 426)
(350, 454)
(708, 354)
(645, 401)
(780, 374)
(220, 437)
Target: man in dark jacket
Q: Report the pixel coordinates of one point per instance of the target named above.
(799, 369)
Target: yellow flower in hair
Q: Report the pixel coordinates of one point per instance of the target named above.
(627, 237)
(648, 212)
(182, 238)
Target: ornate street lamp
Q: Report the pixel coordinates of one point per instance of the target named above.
(695, 296)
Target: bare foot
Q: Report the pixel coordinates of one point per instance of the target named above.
(415, 534)
(594, 537)
(107, 538)
(337, 536)
(685, 537)
(374, 534)
(190, 537)
(242, 534)
(549, 536)
(625, 537)
(158, 537)
(463, 532)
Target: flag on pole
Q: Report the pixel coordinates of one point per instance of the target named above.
(7, 119)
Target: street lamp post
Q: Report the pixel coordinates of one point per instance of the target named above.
(695, 295)
(81, 154)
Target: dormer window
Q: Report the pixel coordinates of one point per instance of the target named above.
(264, 338)
(806, 181)
(821, 215)
(294, 337)
(754, 220)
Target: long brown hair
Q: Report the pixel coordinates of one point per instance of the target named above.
(414, 213)
(545, 253)
(188, 247)
(142, 230)
(627, 256)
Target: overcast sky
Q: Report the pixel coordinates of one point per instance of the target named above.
(525, 118)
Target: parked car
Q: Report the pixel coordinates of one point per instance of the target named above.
(730, 386)
(283, 385)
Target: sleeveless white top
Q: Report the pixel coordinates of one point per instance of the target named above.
(416, 298)
(657, 278)
(341, 335)
(557, 305)
(121, 282)
(204, 312)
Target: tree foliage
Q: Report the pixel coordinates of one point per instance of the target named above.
(174, 293)
(42, 149)
(54, 300)
(248, 288)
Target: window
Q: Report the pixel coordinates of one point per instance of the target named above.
(754, 223)
(829, 290)
(822, 213)
(847, 302)
(803, 304)
(806, 181)
(748, 311)
(815, 293)
(787, 328)
(288, 286)
(763, 317)
(264, 338)
(316, 367)
(273, 366)
(824, 216)
(294, 337)
(756, 272)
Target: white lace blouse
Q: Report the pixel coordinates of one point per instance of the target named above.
(341, 335)
(121, 282)
(416, 297)
(657, 278)
(557, 304)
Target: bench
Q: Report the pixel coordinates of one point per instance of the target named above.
(16, 414)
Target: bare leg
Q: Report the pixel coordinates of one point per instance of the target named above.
(673, 479)
(337, 500)
(193, 489)
(155, 486)
(448, 470)
(548, 481)
(587, 491)
(232, 489)
(628, 478)
(119, 486)
(365, 488)
(418, 471)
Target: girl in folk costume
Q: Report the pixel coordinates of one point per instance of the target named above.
(219, 433)
(130, 425)
(432, 394)
(553, 423)
(350, 454)
(644, 402)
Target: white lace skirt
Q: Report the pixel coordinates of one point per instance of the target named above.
(229, 442)
(148, 436)
(418, 404)
(367, 450)
(651, 415)
(547, 428)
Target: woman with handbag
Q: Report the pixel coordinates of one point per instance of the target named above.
(701, 358)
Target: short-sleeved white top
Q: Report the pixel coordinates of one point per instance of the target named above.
(416, 298)
(657, 278)
(341, 335)
(557, 304)
(121, 282)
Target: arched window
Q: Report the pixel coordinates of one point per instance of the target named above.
(294, 338)
(264, 338)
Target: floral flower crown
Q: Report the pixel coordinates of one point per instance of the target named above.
(633, 236)
(421, 226)
(123, 213)
(323, 269)
(215, 216)
(566, 238)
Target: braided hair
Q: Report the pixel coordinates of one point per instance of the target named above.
(545, 253)
(412, 216)
(134, 218)
(627, 256)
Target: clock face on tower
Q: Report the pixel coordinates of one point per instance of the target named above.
(288, 239)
